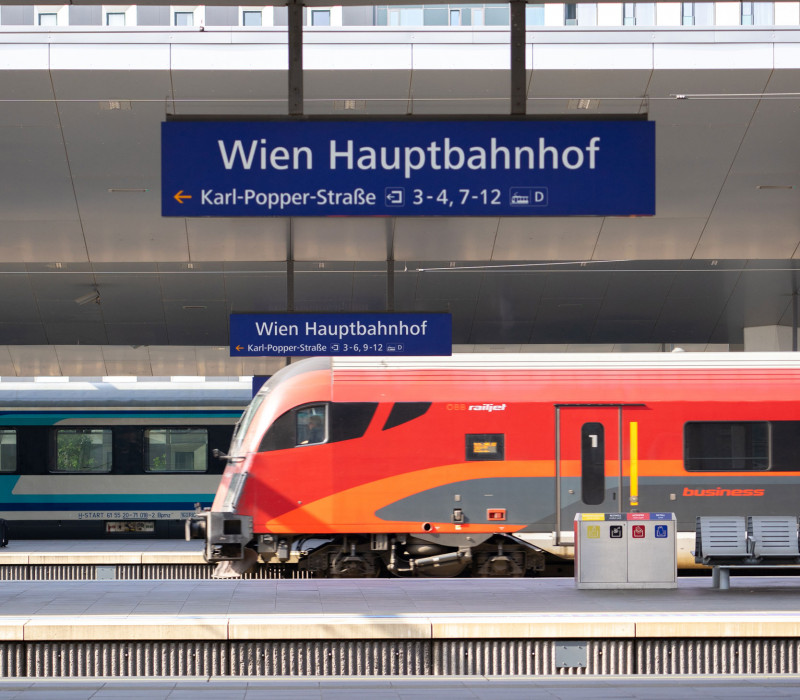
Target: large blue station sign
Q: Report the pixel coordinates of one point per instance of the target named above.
(408, 168)
(287, 334)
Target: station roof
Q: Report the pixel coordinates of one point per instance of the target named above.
(80, 199)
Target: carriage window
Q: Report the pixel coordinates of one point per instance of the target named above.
(311, 425)
(8, 450)
(85, 450)
(785, 439)
(726, 446)
(176, 450)
(485, 447)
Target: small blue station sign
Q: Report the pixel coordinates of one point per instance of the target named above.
(258, 335)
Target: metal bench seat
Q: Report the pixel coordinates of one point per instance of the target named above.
(724, 542)
(774, 536)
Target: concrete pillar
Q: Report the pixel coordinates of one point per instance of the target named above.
(765, 338)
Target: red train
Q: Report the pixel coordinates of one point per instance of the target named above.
(477, 464)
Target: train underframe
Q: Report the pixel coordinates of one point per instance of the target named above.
(230, 538)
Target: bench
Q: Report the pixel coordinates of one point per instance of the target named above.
(724, 542)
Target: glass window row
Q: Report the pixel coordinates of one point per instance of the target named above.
(92, 450)
(641, 14)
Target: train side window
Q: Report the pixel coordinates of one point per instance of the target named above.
(405, 411)
(785, 436)
(311, 425)
(485, 447)
(593, 464)
(83, 450)
(350, 420)
(176, 449)
(726, 446)
(8, 450)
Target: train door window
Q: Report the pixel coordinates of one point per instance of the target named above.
(176, 449)
(83, 450)
(311, 425)
(486, 447)
(593, 464)
(726, 446)
(8, 450)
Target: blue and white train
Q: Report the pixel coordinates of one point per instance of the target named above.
(101, 458)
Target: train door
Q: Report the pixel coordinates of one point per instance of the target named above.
(588, 461)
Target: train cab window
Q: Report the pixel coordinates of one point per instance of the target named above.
(485, 447)
(8, 450)
(176, 449)
(83, 450)
(311, 425)
(726, 446)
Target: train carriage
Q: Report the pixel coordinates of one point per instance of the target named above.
(102, 458)
(477, 464)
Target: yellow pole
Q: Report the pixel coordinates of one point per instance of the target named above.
(634, 471)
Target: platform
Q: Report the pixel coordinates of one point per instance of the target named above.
(395, 627)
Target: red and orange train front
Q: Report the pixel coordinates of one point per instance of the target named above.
(432, 467)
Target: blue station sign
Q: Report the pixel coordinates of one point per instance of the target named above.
(408, 168)
(259, 335)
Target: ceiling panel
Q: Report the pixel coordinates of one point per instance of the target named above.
(256, 292)
(644, 237)
(445, 238)
(238, 239)
(547, 238)
(223, 93)
(364, 238)
(27, 99)
(61, 159)
(40, 187)
(77, 360)
(154, 332)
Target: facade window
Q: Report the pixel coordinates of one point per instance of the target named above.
(251, 18)
(320, 18)
(452, 15)
(534, 15)
(183, 19)
(763, 13)
(83, 450)
(687, 14)
(48, 19)
(115, 19)
(639, 14)
(8, 450)
(628, 14)
(176, 450)
(747, 14)
(570, 14)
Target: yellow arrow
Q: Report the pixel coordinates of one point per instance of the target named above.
(180, 196)
(240, 347)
